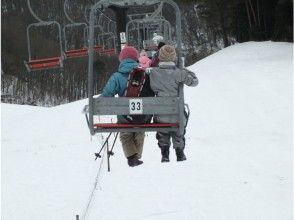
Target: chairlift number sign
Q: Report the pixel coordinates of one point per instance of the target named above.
(136, 106)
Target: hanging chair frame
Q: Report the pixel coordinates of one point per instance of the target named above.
(120, 106)
(76, 52)
(42, 63)
(147, 24)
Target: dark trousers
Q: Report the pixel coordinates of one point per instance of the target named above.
(164, 139)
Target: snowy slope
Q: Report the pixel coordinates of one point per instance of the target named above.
(239, 149)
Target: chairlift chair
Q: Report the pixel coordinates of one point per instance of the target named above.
(108, 37)
(148, 26)
(73, 53)
(106, 27)
(107, 40)
(121, 106)
(124, 105)
(34, 64)
(70, 50)
(98, 46)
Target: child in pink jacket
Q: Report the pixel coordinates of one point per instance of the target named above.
(144, 61)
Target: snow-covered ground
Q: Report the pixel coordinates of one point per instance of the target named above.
(239, 149)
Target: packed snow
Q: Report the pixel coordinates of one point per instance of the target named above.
(239, 149)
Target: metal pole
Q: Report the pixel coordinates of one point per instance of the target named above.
(85, 37)
(64, 37)
(111, 153)
(90, 69)
(60, 40)
(179, 47)
(181, 108)
(139, 36)
(108, 155)
(178, 31)
(29, 42)
(127, 33)
(65, 12)
(106, 141)
(33, 13)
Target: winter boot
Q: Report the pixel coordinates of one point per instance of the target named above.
(134, 161)
(164, 154)
(180, 154)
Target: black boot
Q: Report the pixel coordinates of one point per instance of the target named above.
(180, 154)
(164, 154)
(134, 161)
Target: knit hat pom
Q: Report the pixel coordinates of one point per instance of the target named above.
(128, 53)
(167, 53)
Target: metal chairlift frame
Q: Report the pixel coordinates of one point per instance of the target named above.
(120, 106)
(98, 47)
(106, 50)
(107, 31)
(157, 13)
(73, 53)
(109, 21)
(147, 23)
(139, 16)
(101, 14)
(43, 63)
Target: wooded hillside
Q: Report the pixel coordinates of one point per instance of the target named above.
(207, 26)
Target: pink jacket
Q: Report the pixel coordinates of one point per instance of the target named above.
(144, 62)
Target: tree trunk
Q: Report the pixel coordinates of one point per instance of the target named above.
(253, 12)
(222, 24)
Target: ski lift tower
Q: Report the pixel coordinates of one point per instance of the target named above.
(121, 106)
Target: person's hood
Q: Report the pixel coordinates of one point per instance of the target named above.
(127, 65)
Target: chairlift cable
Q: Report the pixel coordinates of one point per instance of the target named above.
(96, 183)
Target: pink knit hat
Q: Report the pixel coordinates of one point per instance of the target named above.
(128, 52)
